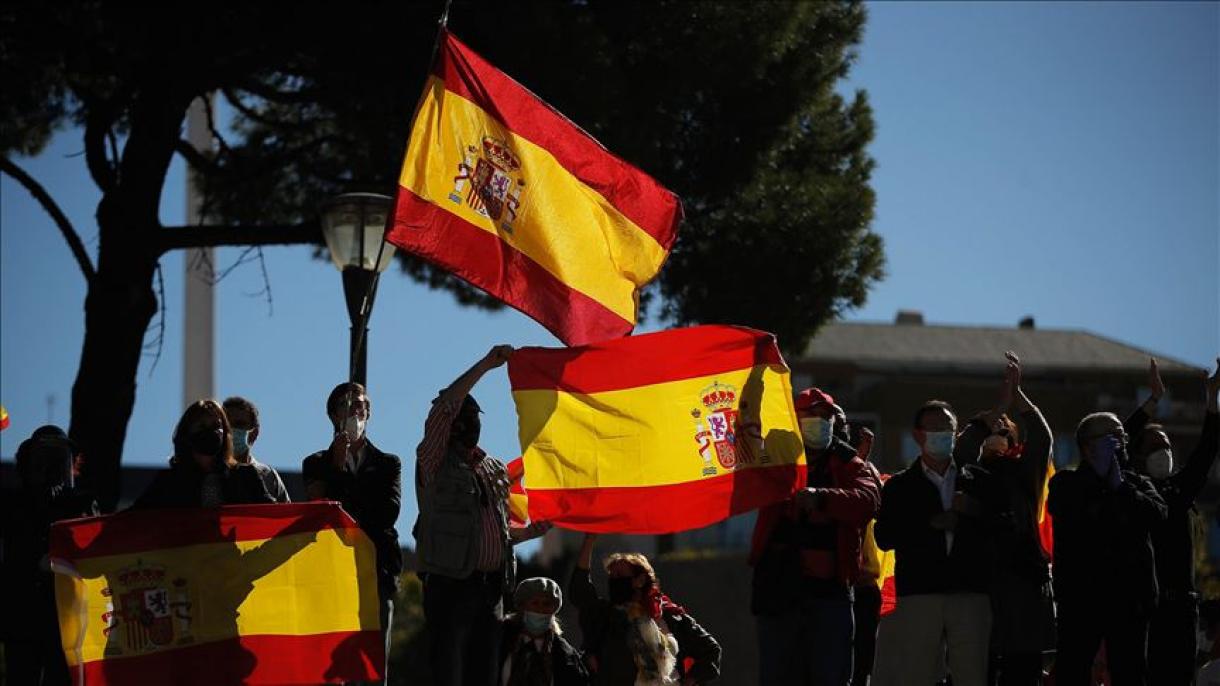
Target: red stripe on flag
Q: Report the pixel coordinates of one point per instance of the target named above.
(637, 195)
(643, 360)
(889, 596)
(140, 530)
(656, 509)
(266, 659)
(481, 258)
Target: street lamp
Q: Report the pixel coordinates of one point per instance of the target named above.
(353, 225)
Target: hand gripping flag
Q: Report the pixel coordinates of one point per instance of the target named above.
(257, 594)
(656, 433)
(509, 195)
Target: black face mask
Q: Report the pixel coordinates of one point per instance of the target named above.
(207, 441)
(621, 589)
(466, 431)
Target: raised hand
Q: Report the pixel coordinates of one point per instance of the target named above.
(1154, 380)
(498, 355)
(864, 446)
(1213, 388)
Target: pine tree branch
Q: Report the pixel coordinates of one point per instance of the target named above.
(57, 215)
(178, 237)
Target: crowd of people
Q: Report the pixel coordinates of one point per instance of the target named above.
(980, 600)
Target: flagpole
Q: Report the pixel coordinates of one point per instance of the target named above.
(371, 292)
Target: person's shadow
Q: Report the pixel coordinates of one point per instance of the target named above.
(160, 626)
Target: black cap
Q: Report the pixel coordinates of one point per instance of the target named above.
(53, 435)
(469, 401)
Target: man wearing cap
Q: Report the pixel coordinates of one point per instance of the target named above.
(366, 481)
(533, 650)
(28, 622)
(462, 536)
(806, 554)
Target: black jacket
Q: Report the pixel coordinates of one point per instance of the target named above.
(566, 666)
(372, 496)
(1103, 547)
(908, 502)
(1173, 539)
(182, 486)
(605, 626)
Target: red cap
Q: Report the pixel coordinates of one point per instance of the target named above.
(812, 397)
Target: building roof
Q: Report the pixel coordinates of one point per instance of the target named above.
(885, 345)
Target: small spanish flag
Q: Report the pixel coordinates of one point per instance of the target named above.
(1046, 524)
(506, 193)
(3, 418)
(518, 500)
(656, 433)
(255, 594)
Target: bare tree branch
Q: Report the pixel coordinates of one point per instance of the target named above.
(193, 157)
(97, 126)
(158, 342)
(262, 90)
(57, 215)
(177, 237)
(250, 113)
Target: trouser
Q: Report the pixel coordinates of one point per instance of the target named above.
(810, 645)
(1082, 628)
(463, 617)
(928, 630)
(1173, 641)
(38, 663)
(867, 612)
(1022, 625)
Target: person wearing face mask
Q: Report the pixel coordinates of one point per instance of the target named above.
(532, 647)
(243, 417)
(1105, 576)
(941, 520)
(367, 483)
(637, 636)
(29, 625)
(202, 471)
(806, 554)
(462, 535)
(1022, 601)
(1171, 631)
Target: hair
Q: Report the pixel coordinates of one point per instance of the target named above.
(197, 409)
(332, 401)
(236, 402)
(1090, 419)
(637, 561)
(932, 406)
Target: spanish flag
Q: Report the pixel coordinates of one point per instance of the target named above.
(506, 193)
(518, 500)
(257, 594)
(656, 433)
(3, 418)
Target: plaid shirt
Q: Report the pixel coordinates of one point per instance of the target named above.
(490, 474)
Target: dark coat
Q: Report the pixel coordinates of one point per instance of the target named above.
(182, 484)
(1173, 539)
(605, 626)
(566, 666)
(1103, 545)
(372, 496)
(908, 503)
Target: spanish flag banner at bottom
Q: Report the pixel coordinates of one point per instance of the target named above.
(256, 594)
(656, 433)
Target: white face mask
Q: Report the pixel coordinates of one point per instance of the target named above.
(938, 444)
(353, 427)
(1160, 463)
(816, 431)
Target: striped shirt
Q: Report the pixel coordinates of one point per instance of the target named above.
(491, 476)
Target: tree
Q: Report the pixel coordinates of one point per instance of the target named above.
(732, 105)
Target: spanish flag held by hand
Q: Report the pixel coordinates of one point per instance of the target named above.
(505, 192)
(657, 433)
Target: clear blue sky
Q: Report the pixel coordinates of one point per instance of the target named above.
(1059, 160)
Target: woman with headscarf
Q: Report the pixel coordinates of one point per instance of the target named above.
(533, 651)
(638, 636)
(202, 471)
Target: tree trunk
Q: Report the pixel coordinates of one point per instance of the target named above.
(120, 302)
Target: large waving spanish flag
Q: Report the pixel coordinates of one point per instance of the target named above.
(508, 194)
(656, 433)
(256, 594)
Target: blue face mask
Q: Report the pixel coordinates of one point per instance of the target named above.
(938, 443)
(816, 432)
(241, 441)
(536, 623)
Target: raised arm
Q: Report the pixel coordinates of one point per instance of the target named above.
(1036, 455)
(584, 595)
(1193, 475)
(1134, 425)
(860, 495)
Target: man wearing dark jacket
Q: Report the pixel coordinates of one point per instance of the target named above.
(1023, 613)
(367, 483)
(806, 555)
(1105, 578)
(1172, 637)
(941, 521)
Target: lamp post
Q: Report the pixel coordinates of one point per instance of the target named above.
(353, 225)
